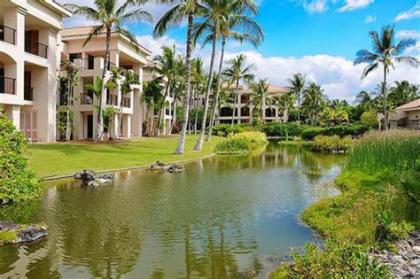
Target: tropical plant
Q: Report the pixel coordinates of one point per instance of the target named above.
(178, 86)
(152, 97)
(296, 87)
(260, 97)
(126, 87)
(69, 80)
(385, 52)
(198, 80)
(17, 181)
(238, 71)
(364, 99)
(313, 100)
(240, 27)
(285, 103)
(110, 17)
(403, 92)
(181, 10)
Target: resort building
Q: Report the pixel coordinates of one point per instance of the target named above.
(29, 59)
(406, 116)
(128, 120)
(244, 107)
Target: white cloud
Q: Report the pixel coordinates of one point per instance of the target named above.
(370, 19)
(355, 4)
(337, 75)
(155, 45)
(315, 6)
(403, 34)
(412, 13)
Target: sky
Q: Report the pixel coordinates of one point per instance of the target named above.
(318, 38)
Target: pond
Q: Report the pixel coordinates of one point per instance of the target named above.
(223, 217)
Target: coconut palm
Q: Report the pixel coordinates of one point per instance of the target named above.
(152, 97)
(130, 79)
(364, 99)
(385, 52)
(178, 86)
(239, 26)
(110, 18)
(285, 103)
(181, 10)
(198, 80)
(167, 69)
(313, 101)
(403, 92)
(237, 72)
(210, 29)
(260, 98)
(296, 87)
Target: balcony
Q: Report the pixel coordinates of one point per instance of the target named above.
(7, 34)
(111, 99)
(36, 48)
(126, 102)
(86, 98)
(28, 93)
(92, 63)
(7, 85)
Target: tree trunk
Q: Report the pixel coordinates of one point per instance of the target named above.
(162, 110)
(299, 105)
(234, 102)
(216, 97)
(200, 140)
(385, 93)
(68, 122)
(173, 118)
(195, 104)
(100, 124)
(181, 142)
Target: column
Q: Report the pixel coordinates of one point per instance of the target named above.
(127, 126)
(15, 116)
(115, 127)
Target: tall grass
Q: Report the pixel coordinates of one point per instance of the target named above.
(393, 150)
(241, 143)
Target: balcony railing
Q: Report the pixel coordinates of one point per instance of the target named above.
(89, 64)
(28, 93)
(36, 48)
(111, 99)
(126, 102)
(7, 34)
(7, 85)
(86, 98)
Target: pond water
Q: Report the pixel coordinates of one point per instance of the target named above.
(224, 217)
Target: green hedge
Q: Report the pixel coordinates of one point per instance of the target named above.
(354, 130)
(332, 144)
(224, 130)
(283, 130)
(241, 143)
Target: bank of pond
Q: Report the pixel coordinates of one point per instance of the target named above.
(233, 216)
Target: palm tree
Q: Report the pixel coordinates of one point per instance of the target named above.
(198, 79)
(178, 87)
(364, 99)
(260, 97)
(71, 79)
(184, 9)
(296, 87)
(237, 72)
(238, 26)
(166, 69)
(313, 101)
(385, 52)
(211, 28)
(403, 92)
(152, 97)
(110, 18)
(126, 87)
(285, 102)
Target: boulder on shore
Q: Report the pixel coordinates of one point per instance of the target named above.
(90, 179)
(159, 166)
(11, 233)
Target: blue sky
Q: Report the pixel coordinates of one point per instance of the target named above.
(318, 38)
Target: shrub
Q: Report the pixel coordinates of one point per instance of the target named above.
(241, 143)
(332, 144)
(224, 130)
(388, 231)
(393, 150)
(283, 130)
(17, 181)
(334, 261)
(369, 118)
(354, 130)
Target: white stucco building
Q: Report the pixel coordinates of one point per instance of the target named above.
(128, 121)
(29, 59)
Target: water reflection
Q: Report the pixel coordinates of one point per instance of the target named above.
(220, 218)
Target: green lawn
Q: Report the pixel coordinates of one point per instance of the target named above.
(67, 158)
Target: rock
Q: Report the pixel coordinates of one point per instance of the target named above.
(416, 250)
(90, 179)
(16, 233)
(157, 166)
(175, 168)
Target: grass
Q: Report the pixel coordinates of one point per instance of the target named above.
(67, 158)
(379, 204)
(245, 142)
